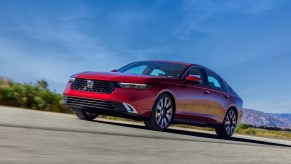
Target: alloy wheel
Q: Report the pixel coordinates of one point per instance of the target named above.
(230, 122)
(164, 112)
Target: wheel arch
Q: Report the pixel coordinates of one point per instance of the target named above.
(235, 110)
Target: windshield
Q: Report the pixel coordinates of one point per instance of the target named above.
(170, 70)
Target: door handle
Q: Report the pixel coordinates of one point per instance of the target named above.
(206, 92)
(226, 96)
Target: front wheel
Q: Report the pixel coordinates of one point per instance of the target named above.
(85, 115)
(162, 113)
(229, 124)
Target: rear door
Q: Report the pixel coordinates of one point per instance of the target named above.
(218, 97)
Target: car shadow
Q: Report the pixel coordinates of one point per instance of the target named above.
(198, 134)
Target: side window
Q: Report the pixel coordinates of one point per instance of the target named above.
(158, 72)
(195, 72)
(226, 86)
(213, 80)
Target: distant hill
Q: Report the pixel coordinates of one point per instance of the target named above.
(258, 118)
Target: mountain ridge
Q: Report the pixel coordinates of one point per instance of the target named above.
(261, 119)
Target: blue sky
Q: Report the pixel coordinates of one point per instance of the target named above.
(248, 42)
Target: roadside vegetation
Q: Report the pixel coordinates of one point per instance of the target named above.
(37, 96)
(33, 96)
(248, 130)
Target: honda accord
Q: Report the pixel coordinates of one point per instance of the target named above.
(159, 93)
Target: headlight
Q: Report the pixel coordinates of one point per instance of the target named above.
(72, 79)
(134, 85)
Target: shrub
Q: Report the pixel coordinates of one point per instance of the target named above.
(243, 126)
(34, 96)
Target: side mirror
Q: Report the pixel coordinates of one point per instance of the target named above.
(193, 79)
(114, 70)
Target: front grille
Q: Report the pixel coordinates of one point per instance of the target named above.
(95, 104)
(105, 87)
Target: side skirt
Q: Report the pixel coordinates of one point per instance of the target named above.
(191, 122)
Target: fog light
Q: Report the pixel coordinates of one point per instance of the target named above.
(129, 108)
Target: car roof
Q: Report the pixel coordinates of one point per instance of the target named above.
(174, 62)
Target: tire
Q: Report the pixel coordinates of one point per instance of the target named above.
(229, 124)
(85, 115)
(162, 113)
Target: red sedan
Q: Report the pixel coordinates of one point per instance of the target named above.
(158, 92)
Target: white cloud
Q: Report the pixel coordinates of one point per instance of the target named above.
(205, 16)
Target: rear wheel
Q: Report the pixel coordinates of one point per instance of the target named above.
(162, 113)
(85, 115)
(229, 124)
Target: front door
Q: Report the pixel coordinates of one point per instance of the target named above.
(193, 98)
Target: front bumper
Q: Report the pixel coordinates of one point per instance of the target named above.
(131, 101)
(101, 107)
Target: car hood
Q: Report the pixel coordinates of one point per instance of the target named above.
(114, 76)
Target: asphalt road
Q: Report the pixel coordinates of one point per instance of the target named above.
(43, 137)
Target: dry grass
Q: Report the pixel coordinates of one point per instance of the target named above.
(265, 133)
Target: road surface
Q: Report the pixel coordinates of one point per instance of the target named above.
(43, 137)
